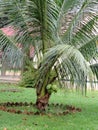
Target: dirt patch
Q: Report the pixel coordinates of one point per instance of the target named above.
(24, 108)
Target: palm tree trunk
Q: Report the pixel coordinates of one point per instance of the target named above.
(42, 101)
(43, 95)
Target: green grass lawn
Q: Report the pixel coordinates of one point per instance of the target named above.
(85, 120)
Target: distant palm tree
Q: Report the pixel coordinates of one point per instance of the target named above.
(59, 55)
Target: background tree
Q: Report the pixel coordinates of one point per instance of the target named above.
(58, 55)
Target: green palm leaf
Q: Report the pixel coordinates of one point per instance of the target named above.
(11, 51)
(70, 60)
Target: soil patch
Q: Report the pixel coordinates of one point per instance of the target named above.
(30, 109)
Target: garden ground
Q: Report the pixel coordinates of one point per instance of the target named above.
(87, 119)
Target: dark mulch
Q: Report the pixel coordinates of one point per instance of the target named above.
(53, 109)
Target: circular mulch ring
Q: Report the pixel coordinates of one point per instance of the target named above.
(30, 108)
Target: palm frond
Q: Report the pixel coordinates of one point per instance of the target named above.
(11, 52)
(94, 68)
(83, 20)
(89, 49)
(65, 8)
(86, 33)
(33, 19)
(70, 60)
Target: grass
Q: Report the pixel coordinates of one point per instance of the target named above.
(85, 120)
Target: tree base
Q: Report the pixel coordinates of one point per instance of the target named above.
(42, 102)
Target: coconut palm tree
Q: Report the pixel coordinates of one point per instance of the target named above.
(63, 48)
